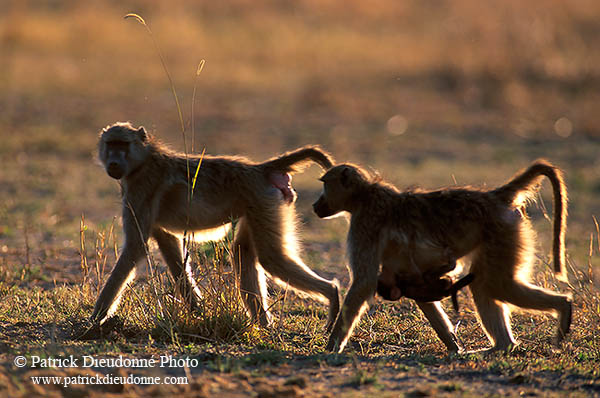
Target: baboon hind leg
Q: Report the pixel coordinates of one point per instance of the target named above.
(496, 283)
(494, 266)
(272, 230)
(170, 247)
(441, 324)
(253, 284)
(494, 317)
(535, 298)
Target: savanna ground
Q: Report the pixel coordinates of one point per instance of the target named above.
(429, 93)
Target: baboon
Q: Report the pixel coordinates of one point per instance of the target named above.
(398, 229)
(158, 202)
(434, 285)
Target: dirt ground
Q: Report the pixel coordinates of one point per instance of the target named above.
(427, 93)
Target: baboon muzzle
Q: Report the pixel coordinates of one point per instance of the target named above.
(321, 208)
(114, 170)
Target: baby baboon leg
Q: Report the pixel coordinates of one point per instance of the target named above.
(253, 284)
(441, 324)
(494, 318)
(462, 282)
(274, 241)
(536, 298)
(353, 307)
(170, 247)
(438, 272)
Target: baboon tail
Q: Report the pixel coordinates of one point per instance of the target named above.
(528, 182)
(298, 159)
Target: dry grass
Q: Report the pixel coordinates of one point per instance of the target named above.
(479, 90)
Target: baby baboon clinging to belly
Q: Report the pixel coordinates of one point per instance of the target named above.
(158, 203)
(403, 230)
(433, 285)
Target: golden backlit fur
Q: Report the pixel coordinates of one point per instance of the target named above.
(158, 203)
(401, 231)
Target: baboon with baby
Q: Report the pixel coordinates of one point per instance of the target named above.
(404, 231)
(158, 202)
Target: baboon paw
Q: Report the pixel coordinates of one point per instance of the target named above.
(96, 330)
(332, 346)
(565, 323)
(458, 351)
(98, 318)
(502, 348)
(265, 320)
(455, 347)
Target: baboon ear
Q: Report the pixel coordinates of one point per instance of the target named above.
(141, 132)
(345, 177)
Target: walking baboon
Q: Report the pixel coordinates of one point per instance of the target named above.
(158, 202)
(398, 229)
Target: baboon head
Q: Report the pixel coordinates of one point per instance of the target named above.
(341, 187)
(122, 149)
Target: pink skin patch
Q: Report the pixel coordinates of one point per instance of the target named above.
(283, 182)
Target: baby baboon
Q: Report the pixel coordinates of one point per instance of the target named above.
(158, 202)
(435, 285)
(398, 229)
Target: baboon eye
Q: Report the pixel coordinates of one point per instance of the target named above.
(118, 145)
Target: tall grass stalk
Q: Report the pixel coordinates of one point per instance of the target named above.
(142, 21)
(199, 69)
(164, 65)
(192, 121)
(221, 315)
(82, 250)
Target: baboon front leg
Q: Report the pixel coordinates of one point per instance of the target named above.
(253, 284)
(364, 258)
(122, 273)
(170, 247)
(136, 228)
(441, 324)
(353, 307)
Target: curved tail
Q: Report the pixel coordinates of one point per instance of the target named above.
(527, 182)
(296, 160)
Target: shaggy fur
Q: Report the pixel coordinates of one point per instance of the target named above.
(160, 201)
(414, 231)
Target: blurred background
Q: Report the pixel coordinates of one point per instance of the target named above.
(429, 93)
